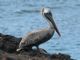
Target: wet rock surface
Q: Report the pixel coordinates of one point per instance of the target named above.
(9, 44)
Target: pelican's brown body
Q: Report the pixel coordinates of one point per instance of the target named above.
(30, 41)
(38, 37)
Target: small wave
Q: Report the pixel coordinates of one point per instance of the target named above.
(30, 5)
(77, 4)
(56, 7)
(1, 17)
(60, 49)
(27, 11)
(78, 44)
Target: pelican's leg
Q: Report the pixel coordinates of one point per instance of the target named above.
(41, 50)
(37, 48)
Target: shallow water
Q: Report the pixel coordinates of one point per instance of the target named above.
(18, 17)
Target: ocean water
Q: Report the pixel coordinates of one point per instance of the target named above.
(18, 17)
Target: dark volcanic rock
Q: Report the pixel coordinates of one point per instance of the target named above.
(9, 44)
(33, 56)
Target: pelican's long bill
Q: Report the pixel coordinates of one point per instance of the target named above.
(49, 16)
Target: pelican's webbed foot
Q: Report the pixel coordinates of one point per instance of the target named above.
(42, 50)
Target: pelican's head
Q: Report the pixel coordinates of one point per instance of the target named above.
(48, 15)
(44, 10)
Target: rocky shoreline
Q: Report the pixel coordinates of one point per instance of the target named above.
(9, 44)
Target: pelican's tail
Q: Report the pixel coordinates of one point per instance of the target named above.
(19, 49)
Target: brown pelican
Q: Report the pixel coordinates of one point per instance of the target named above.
(38, 37)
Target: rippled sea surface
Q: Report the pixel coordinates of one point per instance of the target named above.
(18, 17)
